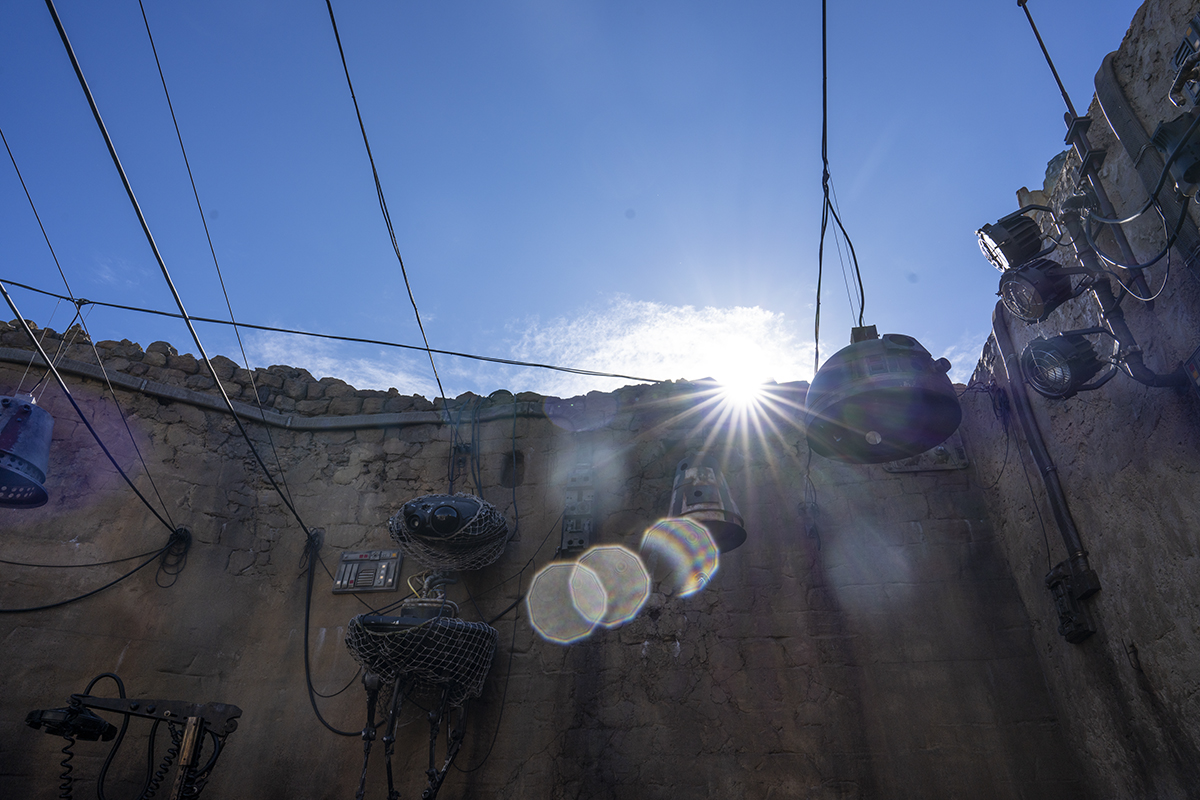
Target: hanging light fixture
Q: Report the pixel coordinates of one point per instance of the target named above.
(1011, 241)
(1035, 289)
(25, 433)
(880, 399)
(450, 531)
(701, 494)
(1060, 366)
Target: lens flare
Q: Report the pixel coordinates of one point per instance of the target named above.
(625, 580)
(566, 602)
(684, 548)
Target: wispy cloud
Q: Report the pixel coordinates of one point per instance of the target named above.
(660, 341)
(626, 337)
(382, 369)
(964, 355)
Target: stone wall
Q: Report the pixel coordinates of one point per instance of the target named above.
(1127, 457)
(883, 652)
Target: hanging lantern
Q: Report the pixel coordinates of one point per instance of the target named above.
(880, 399)
(701, 494)
(25, 432)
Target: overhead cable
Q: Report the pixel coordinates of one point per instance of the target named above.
(163, 266)
(387, 217)
(352, 339)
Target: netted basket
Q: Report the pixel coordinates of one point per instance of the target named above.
(440, 653)
(476, 543)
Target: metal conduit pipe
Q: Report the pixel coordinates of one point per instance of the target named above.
(1085, 580)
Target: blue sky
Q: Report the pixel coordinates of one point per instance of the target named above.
(620, 186)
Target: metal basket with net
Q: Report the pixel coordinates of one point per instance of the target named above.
(444, 531)
(442, 653)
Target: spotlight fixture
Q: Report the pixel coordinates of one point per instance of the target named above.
(25, 433)
(1011, 241)
(1060, 366)
(1034, 289)
(450, 531)
(880, 399)
(700, 493)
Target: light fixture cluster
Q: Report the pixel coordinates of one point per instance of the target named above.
(1033, 286)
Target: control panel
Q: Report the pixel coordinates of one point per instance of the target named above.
(368, 571)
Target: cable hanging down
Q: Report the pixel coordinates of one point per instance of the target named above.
(828, 209)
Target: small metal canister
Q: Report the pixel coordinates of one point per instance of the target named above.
(25, 432)
(700, 493)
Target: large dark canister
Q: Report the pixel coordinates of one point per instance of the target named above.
(881, 399)
(25, 432)
(701, 494)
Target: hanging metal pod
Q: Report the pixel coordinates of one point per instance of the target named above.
(700, 493)
(25, 433)
(880, 399)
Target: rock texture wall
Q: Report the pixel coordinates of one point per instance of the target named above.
(884, 652)
(1127, 458)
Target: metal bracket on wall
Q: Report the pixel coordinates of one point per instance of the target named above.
(1146, 158)
(579, 510)
(950, 454)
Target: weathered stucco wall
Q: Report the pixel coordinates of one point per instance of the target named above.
(886, 653)
(1127, 458)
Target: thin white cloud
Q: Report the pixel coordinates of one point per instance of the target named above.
(380, 370)
(659, 341)
(627, 337)
(964, 355)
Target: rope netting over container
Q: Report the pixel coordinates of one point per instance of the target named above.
(450, 531)
(440, 653)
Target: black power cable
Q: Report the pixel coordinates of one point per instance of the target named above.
(387, 217)
(157, 554)
(211, 248)
(828, 210)
(112, 151)
(352, 339)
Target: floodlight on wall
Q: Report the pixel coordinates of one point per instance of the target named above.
(450, 531)
(25, 433)
(701, 494)
(880, 399)
(1060, 367)
(1035, 289)
(1010, 241)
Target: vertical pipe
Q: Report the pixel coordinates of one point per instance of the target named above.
(1086, 583)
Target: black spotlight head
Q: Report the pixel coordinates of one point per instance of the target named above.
(1058, 367)
(438, 515)
(1032, 291)
(1010, 242)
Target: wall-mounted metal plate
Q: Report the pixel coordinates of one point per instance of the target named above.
(368, 571)
(950, 454)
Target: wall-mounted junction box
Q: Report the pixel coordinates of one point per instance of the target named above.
(368, 571)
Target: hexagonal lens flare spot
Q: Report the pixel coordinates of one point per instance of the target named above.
(624, 578)
(565, 602)
(685, 550)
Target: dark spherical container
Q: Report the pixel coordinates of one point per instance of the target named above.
(881, 400)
